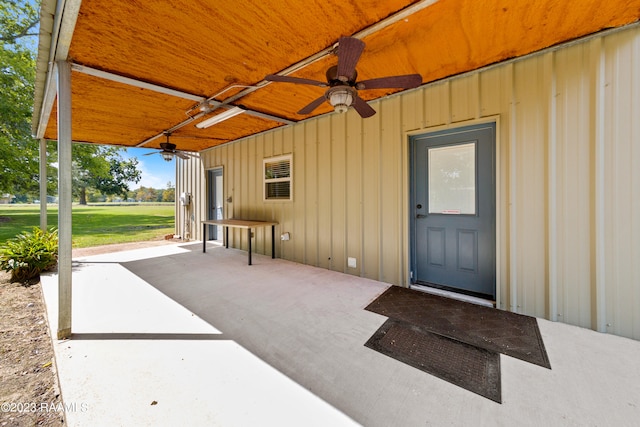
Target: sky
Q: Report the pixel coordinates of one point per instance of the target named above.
(156, 172)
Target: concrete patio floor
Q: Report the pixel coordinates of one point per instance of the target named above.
(169, 336)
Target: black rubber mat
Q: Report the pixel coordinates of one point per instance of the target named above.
(467, 366)
(491, 329)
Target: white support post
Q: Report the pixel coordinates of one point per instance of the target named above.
(43, 184)
(64, 199)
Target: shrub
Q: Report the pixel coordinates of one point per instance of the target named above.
(29, 254)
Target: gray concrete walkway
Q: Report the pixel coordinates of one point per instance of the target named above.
(170, 336)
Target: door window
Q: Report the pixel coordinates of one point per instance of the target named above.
(452, 179)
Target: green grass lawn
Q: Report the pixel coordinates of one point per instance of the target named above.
(94, 225)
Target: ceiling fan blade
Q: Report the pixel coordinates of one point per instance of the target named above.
(312, 106)
(407, 81)
(360, 105)
(148, 154)
(186, 153)
(297, 80)
(349, 51)
(181, 155)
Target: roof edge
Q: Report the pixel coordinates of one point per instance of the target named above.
(57, 24)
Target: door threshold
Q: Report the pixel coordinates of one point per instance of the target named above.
(453, 295)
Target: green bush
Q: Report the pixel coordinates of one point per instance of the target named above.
(29, 254)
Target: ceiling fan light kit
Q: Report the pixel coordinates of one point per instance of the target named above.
(341, 98)
(167, 156)
(341, 80)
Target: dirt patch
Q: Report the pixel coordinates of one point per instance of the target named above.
(4, 219)
(119, 247)
(30, 394)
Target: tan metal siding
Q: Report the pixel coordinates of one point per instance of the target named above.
(372, 176)
(622, 162)
(570, 190)
(568, 181)
(529, 186)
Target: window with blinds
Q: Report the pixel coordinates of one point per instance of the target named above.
(277, 178)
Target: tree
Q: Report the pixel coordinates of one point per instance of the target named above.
(18, 20)
(19, 171)
(94, 167)
(102, 168)
(169, 195)
(146, 194)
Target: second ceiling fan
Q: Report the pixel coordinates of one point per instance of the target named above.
(342, 84)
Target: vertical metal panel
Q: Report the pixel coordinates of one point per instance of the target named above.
(530, 166)
(339, 189)
(413, 110)
(390, 189)
(298, 231)
(552, 188)
(622, 136)
(372, 249)
(325, 167)
(311, 185)
(353, 193)
(464, 98)
(437, 105)
(568, 181)
(572, 189)
(503, 182)
(286, 214)
(491, 87)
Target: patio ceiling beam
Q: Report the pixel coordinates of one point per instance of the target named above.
(172, 92)
(204, 113)
(136, 83)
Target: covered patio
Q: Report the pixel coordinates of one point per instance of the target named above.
(204, 75)
(172, 336)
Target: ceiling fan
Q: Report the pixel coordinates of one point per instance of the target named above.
(168, 150)
(342, 84)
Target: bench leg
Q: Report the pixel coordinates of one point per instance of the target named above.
(204, 238)
(273, 241)
(249, 231)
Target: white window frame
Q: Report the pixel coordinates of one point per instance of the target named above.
(265, 180)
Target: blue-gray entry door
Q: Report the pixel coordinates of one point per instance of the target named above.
(215, 201)
(453, 225)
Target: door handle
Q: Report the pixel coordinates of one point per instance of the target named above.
(419, 216)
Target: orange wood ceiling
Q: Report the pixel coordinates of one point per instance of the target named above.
(202, 47)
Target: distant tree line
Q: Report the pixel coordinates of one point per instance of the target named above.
(138, 195)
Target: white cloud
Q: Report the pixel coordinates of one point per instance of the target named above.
(156, 172)
(151, 178)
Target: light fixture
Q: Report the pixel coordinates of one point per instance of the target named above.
(220, 117)
(167, 156)
(341, 98)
